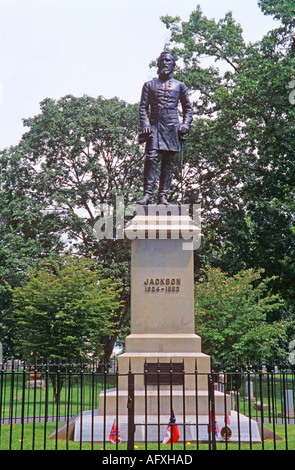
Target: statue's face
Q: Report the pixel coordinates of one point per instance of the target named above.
(166, 65)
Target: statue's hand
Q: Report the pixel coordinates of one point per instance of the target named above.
(183, 130)
(146, 130)
(146, 133)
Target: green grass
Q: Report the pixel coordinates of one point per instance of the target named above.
(84, 395)
(78, 397)
(29, 437)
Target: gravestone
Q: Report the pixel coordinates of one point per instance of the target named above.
(250, 391)
(288, 403)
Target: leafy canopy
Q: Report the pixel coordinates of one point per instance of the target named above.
(240, 159)
(231, 315)
(65, 309)
(77, 153)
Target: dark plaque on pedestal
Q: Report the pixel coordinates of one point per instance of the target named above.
(164, 373)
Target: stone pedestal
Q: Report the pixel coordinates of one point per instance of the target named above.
(162, 319)
(162, 337)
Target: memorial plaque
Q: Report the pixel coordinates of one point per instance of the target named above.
(164, 373)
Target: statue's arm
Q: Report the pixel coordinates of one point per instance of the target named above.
(144, 120)
(187, 109)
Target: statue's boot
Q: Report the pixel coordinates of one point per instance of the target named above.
(145, 200)
(162, 200)
(165, 178)
(150, 167)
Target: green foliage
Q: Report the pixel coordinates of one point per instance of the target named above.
(232, 316)
(27, 231)
(84, 153)
(283, 10)
(65, 310)
(239, 162)
(77, 154)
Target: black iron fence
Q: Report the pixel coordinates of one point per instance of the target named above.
(54, 406)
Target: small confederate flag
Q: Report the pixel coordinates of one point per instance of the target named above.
(171, 427)
(115, 435)
(216, 425)
(216, 428)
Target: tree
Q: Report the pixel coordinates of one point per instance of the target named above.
(65, 310)
(282, 10)
(232, 316)
(239, 161)
(27, 232)
(76, 155)
(79, 153)
(84, 154)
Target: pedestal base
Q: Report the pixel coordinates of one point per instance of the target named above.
(193, 363)
(191, 430)
(153, 399)
(155, 403)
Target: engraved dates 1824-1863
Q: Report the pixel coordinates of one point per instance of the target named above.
(162, 284)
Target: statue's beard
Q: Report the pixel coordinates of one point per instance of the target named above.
(164, 72)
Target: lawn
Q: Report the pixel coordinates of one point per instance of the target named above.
(81, 392)
(77, 395)
(31, 437)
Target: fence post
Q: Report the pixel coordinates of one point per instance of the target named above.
(212, 437)
(262, 404)
(130, 406)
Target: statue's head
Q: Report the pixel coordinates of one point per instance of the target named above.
(166, 64)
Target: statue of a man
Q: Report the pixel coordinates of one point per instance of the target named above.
(160, 126)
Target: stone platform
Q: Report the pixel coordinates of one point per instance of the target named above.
(192, 429)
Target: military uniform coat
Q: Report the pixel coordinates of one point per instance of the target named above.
(158, 110)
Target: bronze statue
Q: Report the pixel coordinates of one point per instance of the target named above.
(160, 126)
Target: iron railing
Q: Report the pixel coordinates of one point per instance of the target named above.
(52, 406)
